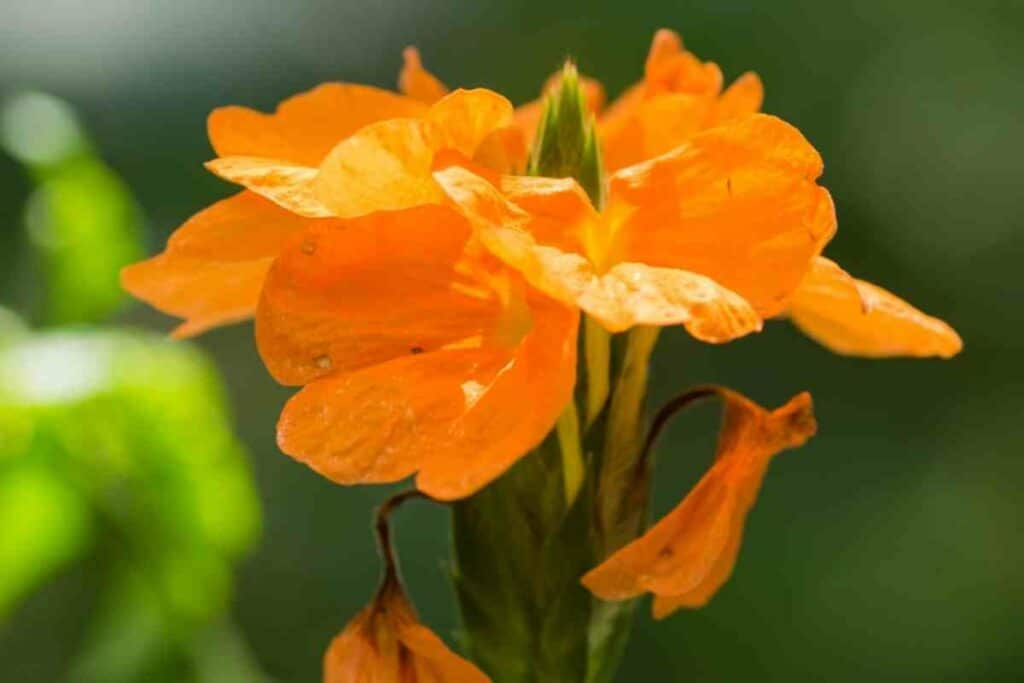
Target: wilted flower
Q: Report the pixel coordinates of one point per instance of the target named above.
(690, 553)
(385, 642)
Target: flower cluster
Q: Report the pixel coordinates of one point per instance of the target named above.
(426, 294)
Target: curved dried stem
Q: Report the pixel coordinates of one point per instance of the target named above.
(382, 527)
(669, 410)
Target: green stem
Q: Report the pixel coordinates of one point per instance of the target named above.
(568, 430)
(618, 516)
(522, 544)
(597, 345)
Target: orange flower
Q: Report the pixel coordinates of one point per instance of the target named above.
(414, 346)
(681, 96)
(714, 235)
(214, 265)
(730, 198)
(360, 173)
(678, 97)
(688, 555)
(416, 351)
(385, 643)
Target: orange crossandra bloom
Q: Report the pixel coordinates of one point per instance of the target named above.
(700, 184)
(679, 97)
(688, 555)
(715, 235)
(414, 346)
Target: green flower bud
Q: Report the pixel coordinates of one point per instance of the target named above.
(566, 142)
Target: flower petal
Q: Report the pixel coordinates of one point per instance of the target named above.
(558, 208)
(213, 268)
(378, 424)
(678, 98)
(465, 118)
(503, 151)
(627, 294)
(383, 167)
(287, 185)
(416, 82)
(307, 126)
(348, 294)
(744, 97)
(856, 318)
(386, 166)
(667, 121)
(620, 132)
(690, 553)
(512, 414)
(737, 203)
(670, 68)
(461, 417)
(434, 662)
(207, 294)
(385, 643)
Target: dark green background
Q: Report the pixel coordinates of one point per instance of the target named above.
(888, 548)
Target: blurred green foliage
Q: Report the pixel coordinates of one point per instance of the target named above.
(120, 439)
(116, 450)
(81, 218)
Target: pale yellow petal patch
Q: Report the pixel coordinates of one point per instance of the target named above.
(856, 318)
(287, 185)
(463, 119)
(384, 167)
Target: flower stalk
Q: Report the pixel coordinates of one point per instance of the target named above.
(523, 543)
(433, 325)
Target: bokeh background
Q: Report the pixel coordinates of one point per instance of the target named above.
(888, 548)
